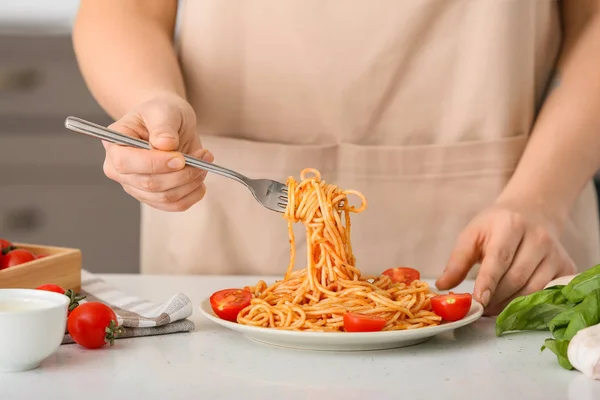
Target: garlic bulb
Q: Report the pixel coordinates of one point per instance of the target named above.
(563, 280)
(584, 351)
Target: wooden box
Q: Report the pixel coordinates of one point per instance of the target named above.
(62, 267)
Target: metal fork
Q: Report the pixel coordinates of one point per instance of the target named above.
(271, 194)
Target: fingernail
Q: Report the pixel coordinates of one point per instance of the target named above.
(485, 297)
(176, 163)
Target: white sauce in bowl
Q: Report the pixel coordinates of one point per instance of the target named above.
(10, 305)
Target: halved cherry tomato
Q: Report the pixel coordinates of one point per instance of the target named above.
(402, 274)
(452, 306)
(16, 257)
(228, 303)
(354, 322)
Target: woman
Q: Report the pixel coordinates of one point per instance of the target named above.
(443, 113)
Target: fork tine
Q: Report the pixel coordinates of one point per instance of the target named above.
(271, 194)
(283, 195)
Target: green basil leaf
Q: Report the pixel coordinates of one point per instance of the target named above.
(532, 312)
(582, 285)
(583, 315)
(559, 333)
(561, 321)
(559, 347)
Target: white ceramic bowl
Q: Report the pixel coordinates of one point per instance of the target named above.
(32, 326)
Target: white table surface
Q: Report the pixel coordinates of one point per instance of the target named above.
(215, 363)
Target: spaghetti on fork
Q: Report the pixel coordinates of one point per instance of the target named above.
(315, 298)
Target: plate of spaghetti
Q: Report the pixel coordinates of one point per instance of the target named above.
(329, 304)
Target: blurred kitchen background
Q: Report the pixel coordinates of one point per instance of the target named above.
(53, 190)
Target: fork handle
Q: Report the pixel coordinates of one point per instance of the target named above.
(91, 129)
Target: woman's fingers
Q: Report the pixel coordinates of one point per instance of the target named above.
(159, 176)
(499, 252)
(175, 199)
(534, 247)
(128, 160)
(184, 203)
(555, 263)
(518, 251)
(157, 183)
(544, 273)
(492, 239)
(168, 189)
(465, 254)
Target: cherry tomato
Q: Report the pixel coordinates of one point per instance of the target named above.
(354, 322)
(4, 244)
(51, 288)
(227, 303)
(93, 324)
(73, 297)
(5, 247)
(452, 306)
(16, 257)
(402, 274)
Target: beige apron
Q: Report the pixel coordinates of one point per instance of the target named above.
(425, 106)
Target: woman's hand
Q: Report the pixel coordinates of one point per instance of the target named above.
(159, 177)
(519, 252)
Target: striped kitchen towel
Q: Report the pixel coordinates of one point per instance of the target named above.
(138, 317)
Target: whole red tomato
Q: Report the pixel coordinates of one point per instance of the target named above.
(51, 288)
(93, 324)
(5, 247)
(73, 297)
(16, 257)
(5, 244)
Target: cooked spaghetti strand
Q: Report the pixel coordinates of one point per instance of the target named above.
(316, 297)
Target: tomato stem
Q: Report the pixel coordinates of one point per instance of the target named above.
(113, 331)
(74, 299)
(8, 249)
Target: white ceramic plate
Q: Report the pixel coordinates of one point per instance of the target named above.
(342, 341)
